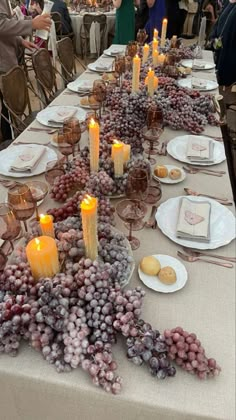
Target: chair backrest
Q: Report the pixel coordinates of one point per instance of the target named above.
(15, 91)
(45, 74)
(89, 18)
(56, 17)
(66, 56)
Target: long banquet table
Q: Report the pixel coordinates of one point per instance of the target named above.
(30, 389)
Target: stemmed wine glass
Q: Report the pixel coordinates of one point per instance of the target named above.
(131, 49)
(153, 130)
(100, 93)
(39, 190)
(131, 211)
(22, 202)
(54, 168)
(137, 189)
(120, 67)
(94, 104)
(10, 227)
(141, 36)
(64, 145)
(75, 132)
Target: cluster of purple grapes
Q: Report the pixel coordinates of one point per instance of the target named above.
(186, 350)
(68, 183)
(71, 208)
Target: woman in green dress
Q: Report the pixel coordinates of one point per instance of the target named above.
(125, 21)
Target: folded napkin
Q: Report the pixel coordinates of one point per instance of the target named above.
(103, 65)
(194, 220)
(115, 50)
(199, 149)
(199, 64)
(28, 159)
(199, 84)
(62, 115)
(84, 86)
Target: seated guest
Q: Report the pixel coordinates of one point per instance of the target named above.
(157, 11)
(61, 7)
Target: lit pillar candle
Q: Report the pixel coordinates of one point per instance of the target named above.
(150, 82)
(145, 53)
(42, 256)
(161, 59)
(155, 33)
(94, 145)
(118, 158)
(154, 45)
(89, 225)
(126, 152)
(136, 74)
(163, 32)
(155, 55)
(46, 225)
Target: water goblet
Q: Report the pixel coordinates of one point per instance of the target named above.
(100, 93)
(64, 145)
(141, 37)
(10, 227)
(137, 186)
(54, 168)
(131, 211)
(22, 202)
(131, 49)
(74, 125)
(39, 190)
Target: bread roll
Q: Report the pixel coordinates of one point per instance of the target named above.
(167, 275)
(175, 173)
(161, 171)
(150, 265)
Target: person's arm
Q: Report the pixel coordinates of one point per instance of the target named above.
(117, 3)
(150, 3)
(12, 27)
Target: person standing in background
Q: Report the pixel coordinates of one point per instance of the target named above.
(141, 15)
(125, 21)
(157, 11)
(60, 6)
(11, 32)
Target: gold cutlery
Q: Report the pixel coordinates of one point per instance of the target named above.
(211, 137)
(196, 253)
(43, 130)
(220, 200)
(200, 168)
(204, 171)
(190, 258)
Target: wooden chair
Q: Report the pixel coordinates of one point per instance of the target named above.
(45, 75)
(88, 19)
(16, 99)
(56, 17)
(229, 138)
(68, 59)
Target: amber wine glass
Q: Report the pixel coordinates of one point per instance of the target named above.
(22, 202)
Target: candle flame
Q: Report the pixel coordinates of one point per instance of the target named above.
(37, 241)
(165, 20)
(154, 39)
(92, 122)
(87, 199)
(115, 141)
(150, 69)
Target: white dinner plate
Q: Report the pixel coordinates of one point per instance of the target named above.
(7, 157)
(80, 85)
(167, 179)
(207, 85)
(154, 283)
(222, 223)
(95, 66)
(177, 148)
(195, 64)
(50, 112)
(115, 50)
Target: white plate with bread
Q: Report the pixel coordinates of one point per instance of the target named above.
(162, 273)
(169, 174)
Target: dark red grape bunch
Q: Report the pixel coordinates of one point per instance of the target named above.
(188, 353)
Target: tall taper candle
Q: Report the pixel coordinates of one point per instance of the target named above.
(150, 81)
(155, 43)
(155, 33)
(89, 225)
(155, 54)
(163, 32)
(94, 145)
(118, 157)
(145, 53)
(46, 225)
(136, 73)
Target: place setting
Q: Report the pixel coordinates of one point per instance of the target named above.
(56, 115)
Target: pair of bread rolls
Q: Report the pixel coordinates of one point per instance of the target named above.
(152, 267)
(162, 172)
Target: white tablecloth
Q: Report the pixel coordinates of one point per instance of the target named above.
(30, 389)
(77, 22)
